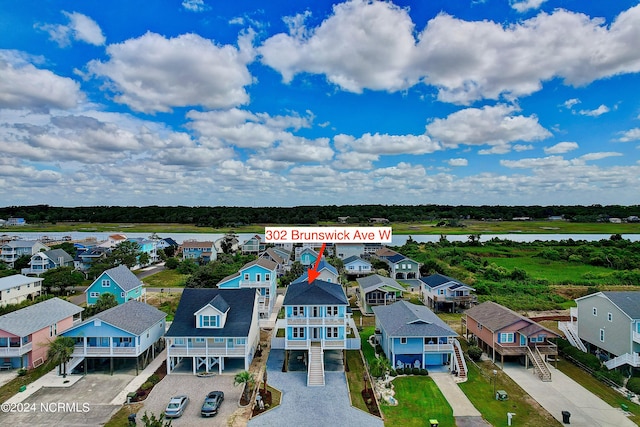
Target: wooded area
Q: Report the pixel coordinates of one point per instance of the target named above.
(225, 216)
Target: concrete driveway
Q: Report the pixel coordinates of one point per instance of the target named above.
(564, 394)
(310, 406)
(86, 403)
(196, 388)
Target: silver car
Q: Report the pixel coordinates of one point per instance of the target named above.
(176, 406)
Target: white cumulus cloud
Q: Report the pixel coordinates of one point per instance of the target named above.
(80, 28)
(561, 147)
(153, 73)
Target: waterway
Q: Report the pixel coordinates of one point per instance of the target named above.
(397, 240)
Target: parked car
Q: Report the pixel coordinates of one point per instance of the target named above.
(176, 406)
(212, 403)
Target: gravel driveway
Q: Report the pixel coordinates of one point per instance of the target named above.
(196, 388)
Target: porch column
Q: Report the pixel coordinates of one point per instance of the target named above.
(84, 346)
(194, 361)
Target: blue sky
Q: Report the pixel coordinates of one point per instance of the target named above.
(286, 103)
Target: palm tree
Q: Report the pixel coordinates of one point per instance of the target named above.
(379, 367)
(60, 352)
(244, 378)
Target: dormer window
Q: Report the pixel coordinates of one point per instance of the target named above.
(209, 321)
(106, 283)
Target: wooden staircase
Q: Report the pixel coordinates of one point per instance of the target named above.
(459, 364)
(315, 371)
(539, 365)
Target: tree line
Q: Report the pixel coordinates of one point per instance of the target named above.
(226, 216)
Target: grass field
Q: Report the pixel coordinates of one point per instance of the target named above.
(354, 377)
(417, 395)
(416, 228)
(166, 279)
(479, 389)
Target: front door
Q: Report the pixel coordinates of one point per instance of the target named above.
(315, 334)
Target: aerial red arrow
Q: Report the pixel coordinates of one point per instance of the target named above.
(312, 274)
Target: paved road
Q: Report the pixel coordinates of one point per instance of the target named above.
(564, 394)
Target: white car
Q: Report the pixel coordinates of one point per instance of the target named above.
(176, 406)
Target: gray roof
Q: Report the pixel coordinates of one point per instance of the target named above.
(133, 316)
(375, 281)
(56, 254)
(629, 302)
(403, 319)
(124, 277)
(17, 280)
(495, 317)
(353, 258)
(37, 316)
(23, 243)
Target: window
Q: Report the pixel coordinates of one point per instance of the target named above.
(479, 326)
(258, 277)
(199, 340)
(403, 340)
(298, 311)
(602, 335)
(94, 294)
(179, 341)
(218, 340)
(121, 294)
(506, 337)
(595, 311)
(332, 310)
(241, 341)
(246, 276)
(267, 277)
(610, 317)
(298, 332)
(106, 283)
(209, 321)
(332, 332)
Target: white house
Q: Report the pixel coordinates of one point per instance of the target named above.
(17, 288)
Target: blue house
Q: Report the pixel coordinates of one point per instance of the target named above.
(129, 330)
(413, 336)
(317, 320)
(261, 275)
(120, 282)
(213, 328)
(377, 290)
(328, 273)
(147, 246)
(46, 260)
(444, 293)
(307, 256)
(356, 266)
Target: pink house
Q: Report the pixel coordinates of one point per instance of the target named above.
(25, 334)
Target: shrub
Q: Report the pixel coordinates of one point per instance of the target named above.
(393, 372)
(379, 349)
(633, 385)
(155, 379)
(146, 386)
(400, 371)
(415, 371)
(424, 372)
(22, 372)
(474, 353)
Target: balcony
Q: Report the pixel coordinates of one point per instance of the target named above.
(15, 349)
(438, 348)
(519, 350)
(203, 351)
(636, 337)
(316, 321)
(453, 298)
(94, 351)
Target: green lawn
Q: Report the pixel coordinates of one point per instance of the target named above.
(479, 389)
(166, 279)
(419, 399)
(354, 378)
(367, 350)
(555, 271)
